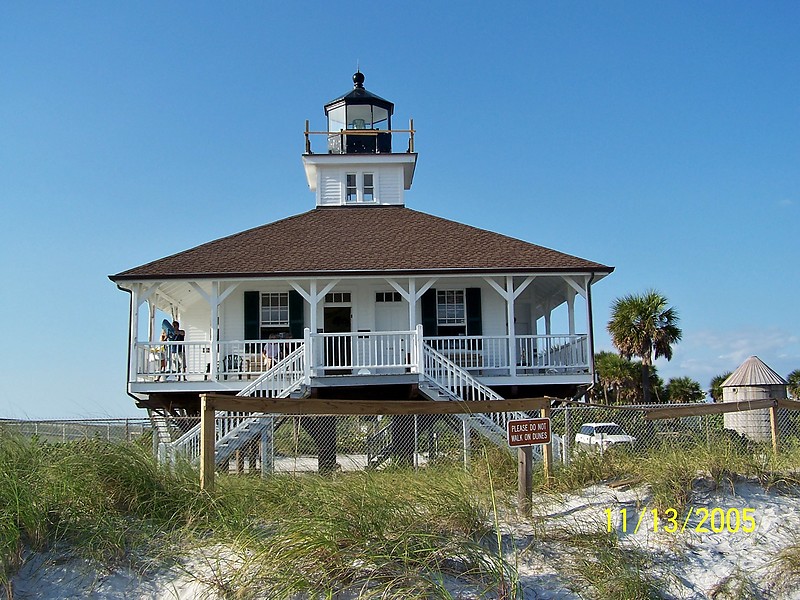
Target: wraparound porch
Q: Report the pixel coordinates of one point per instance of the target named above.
(359, 357)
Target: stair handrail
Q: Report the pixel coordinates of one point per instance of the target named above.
(293, 364)
(434, 362)
(291, 367)
(459, 378)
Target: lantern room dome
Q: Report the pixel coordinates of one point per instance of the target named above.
(362, 110)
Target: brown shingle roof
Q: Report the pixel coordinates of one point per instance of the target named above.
(374, 239)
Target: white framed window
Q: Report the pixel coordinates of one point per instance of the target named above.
(338, 298)
(351, 188)
(388, 297)
(368, 194)
(275, 309)
(359, 187)
(451, 308)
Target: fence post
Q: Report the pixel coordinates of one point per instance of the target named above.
(465, 428)
(565, 441)
(416, 443)
(207, 444)
(547, 452)
(524, 479)
(773, 425)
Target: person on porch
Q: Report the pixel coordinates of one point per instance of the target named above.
(178, 351)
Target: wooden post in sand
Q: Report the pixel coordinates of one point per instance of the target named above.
(773, 425)
(547, 453)
(207, 444)
(524, 480)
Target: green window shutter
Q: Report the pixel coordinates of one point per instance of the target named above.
(252, 320)
(428, 306)
(474, 322)
(296, 310)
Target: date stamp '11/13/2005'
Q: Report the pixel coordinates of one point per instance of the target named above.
(709, 520)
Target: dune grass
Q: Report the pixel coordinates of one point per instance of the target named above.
(671, 469)
(395, 533)
(387, 534)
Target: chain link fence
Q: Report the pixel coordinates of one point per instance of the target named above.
(264, 444)
(110, 430)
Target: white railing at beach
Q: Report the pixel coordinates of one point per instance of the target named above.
(364, 351)
(473, 352)
(553, 352)
(162, 360)
(252, 357)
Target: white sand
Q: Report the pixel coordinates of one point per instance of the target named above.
(688, 565)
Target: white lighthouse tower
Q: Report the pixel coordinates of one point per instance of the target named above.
(358, 166)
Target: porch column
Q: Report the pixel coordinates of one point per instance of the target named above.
(510, 295)
(134, 332)
(214, 301)
(412, 303)
(512, 330)
(589, 326)
(312, 296)
(151, 316)
(313, 301)
(571, 309)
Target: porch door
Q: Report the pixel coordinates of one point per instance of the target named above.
(391, 314)
(338, 349)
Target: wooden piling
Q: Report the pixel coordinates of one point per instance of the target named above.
(207, 444)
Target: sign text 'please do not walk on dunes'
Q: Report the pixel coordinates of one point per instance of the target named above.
(528, 432)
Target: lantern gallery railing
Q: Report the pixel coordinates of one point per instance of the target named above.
(359, 353)
(338, 139)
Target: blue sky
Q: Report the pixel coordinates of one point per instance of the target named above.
(660, 138)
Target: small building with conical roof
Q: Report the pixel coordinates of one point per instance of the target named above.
(752, 380)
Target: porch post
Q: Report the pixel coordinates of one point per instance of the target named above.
(309, 355)
(589, 326)
(151, 316)
(412, 303)
(214, 330)
(420, 351)
(313, 301)
(134, 334)
(571, 309)
(512, 339)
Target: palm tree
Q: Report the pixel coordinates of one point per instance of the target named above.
(794, 384)
(684, 390)
(616, 375)
(646, 327)
(716, 386)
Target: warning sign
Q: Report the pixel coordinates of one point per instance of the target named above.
(528, 432)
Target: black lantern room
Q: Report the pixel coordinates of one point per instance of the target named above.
(359, 111)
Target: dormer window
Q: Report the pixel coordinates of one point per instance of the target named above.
(359, 187)
(369, 187)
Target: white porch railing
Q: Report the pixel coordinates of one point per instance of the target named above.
(473, 352)
(362, 353)
(161, 360)
(553, 353)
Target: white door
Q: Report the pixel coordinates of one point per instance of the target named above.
(391, 314)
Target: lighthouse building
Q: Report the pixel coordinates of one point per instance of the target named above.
(360, 296)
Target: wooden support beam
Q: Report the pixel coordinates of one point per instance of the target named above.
(790, 404)
(706, 409)
(207, 443)
(310, 406)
